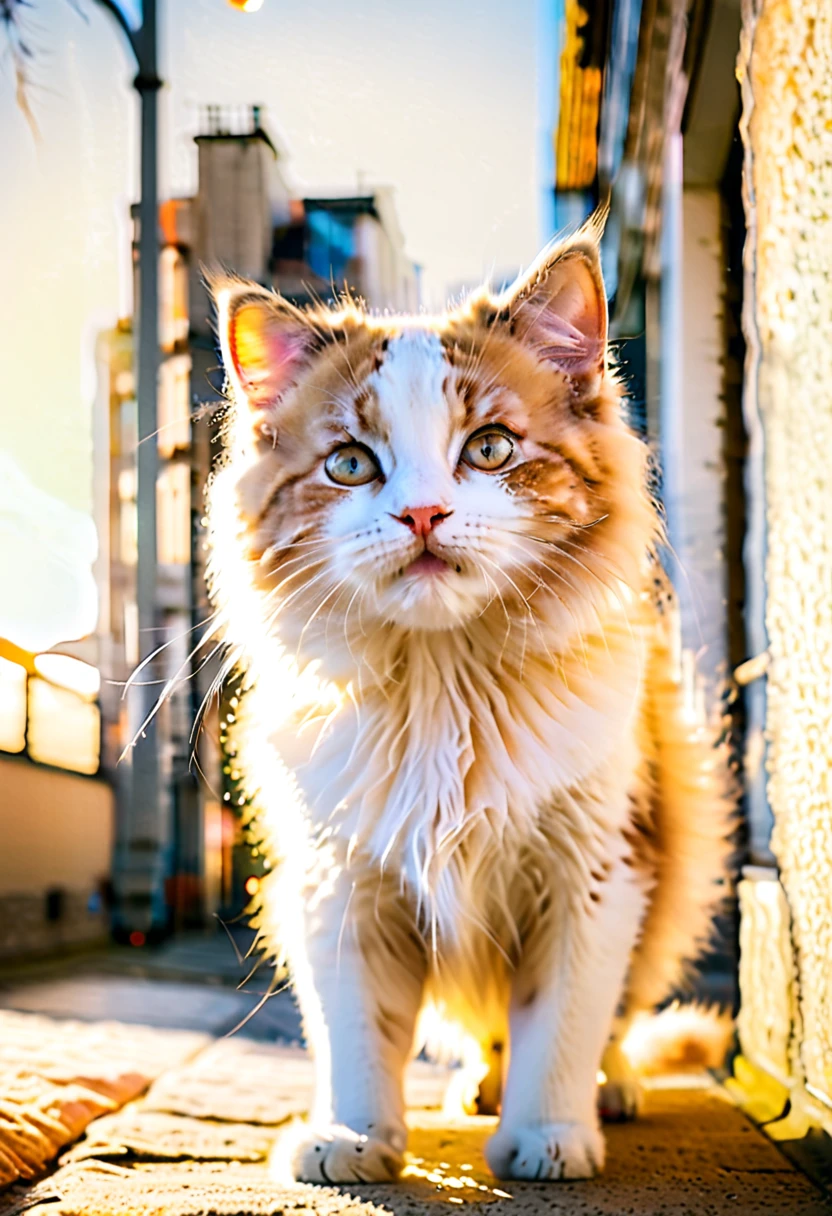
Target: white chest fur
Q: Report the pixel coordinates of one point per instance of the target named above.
(456, 749)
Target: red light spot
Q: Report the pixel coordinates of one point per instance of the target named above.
(137, 938)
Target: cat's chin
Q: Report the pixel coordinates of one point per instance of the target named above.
(432, 601)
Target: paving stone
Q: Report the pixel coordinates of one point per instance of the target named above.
(55, 1077)
(240, 1081)
(149, 1134)
(252, 1082)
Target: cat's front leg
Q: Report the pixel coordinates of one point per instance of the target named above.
(564, 996)
(359, 974)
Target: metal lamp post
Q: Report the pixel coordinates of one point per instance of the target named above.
(140, 908)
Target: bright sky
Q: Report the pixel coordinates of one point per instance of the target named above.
(438, 99)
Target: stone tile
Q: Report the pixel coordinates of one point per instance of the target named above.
(57, 1076)
(250, 1082)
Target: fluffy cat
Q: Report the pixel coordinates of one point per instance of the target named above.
(434, 552)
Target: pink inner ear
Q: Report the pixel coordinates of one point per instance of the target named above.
(568, 328)
(561, 342)
(266, 355)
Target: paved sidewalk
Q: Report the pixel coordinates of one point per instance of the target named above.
(197, 983)
(198, 1140)
(197, 1145)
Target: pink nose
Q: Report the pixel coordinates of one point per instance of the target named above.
(421, 520)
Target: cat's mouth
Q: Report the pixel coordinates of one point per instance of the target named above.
(427, 564)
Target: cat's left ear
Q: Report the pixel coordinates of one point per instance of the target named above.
(560, 309)
(267, 344)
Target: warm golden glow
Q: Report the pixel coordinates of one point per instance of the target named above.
(12, 706)
(681, 1038)
(438, 1159)
(64, 730)
(69, 673)
(448, 1042)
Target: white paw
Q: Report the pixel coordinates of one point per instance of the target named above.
(334, 1154)
(546, 1151)
(619, 1101)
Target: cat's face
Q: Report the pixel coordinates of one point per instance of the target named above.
(423, 471)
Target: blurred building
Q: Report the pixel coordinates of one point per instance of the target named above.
(244, 218)
(648, 111)
(705, 125)
(55, 852)
(56, 840)
(71, 864)
(648, 122)
(354, 240)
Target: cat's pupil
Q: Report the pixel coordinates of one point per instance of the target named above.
(353, 464)
(487, 450)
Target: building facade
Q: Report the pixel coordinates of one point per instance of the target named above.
(68, 736)
(706, 127)
(244, 218)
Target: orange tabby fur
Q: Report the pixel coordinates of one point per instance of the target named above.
(480, 788)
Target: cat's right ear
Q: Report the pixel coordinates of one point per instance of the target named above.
(266, 345)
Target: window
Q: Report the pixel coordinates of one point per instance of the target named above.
(173, 514)
(50, 712)
(127, 517)
(173, 298)
(131, 633)
(331, 244)
(12, 706)
(64, 729)
(174, 432)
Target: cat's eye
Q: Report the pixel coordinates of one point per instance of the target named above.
(488, 449)
(352, 465)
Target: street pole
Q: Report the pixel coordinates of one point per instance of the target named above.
(140, 911)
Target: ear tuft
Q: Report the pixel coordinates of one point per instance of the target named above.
(560, 309)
